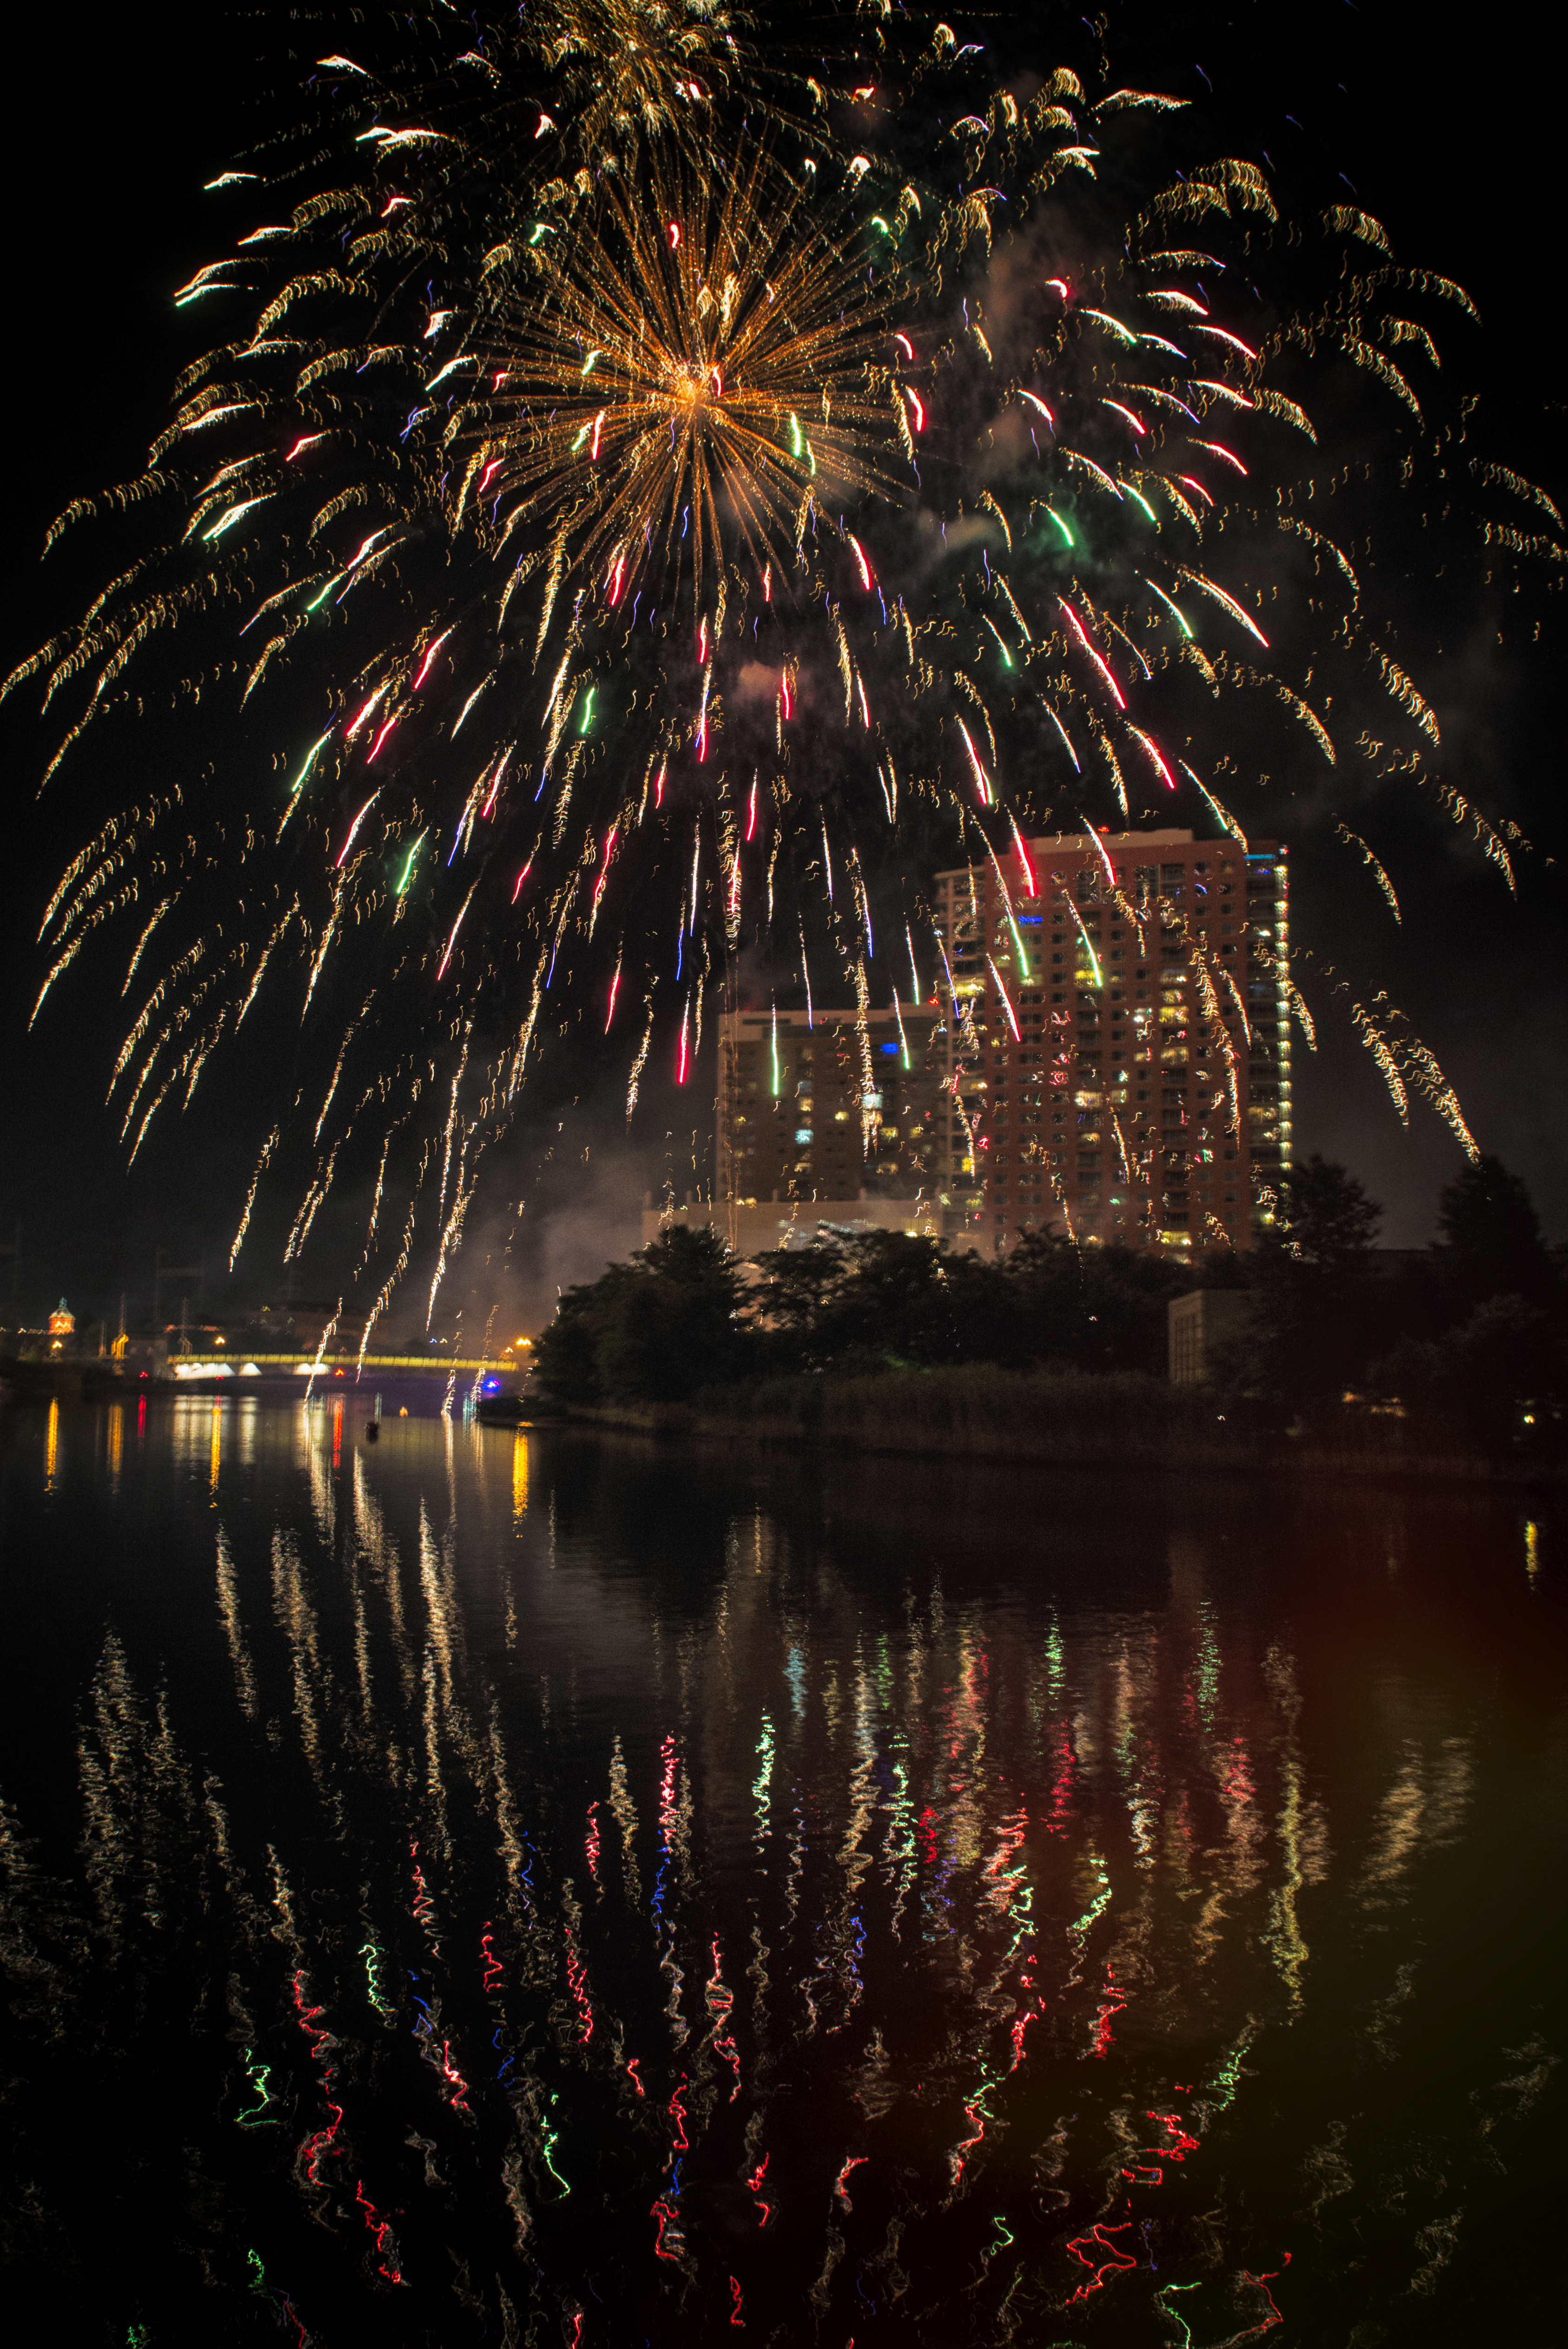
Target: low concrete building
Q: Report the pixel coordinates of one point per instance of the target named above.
(752, 1225)
(1197, 1324)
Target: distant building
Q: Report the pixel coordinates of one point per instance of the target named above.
(62, 1321)
(298, 1325)
(828, 1115)
(1198, 1324)
(1119, 1068)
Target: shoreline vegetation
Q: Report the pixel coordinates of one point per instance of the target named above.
(1449, 1362)
(981, 1411)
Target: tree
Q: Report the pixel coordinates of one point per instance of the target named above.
(876, 1297)
(566, 1356)
(793, 1298)
(896, 1298)
(1497, 1382)
(1326, 1221)
(1491, 1244)
(1314, 1323)
(652, 1330)
(909, 1300)
(1099, 1309)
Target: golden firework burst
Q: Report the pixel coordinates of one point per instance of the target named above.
(696, 371)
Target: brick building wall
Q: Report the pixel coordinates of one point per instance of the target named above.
(1120, 1064)
(826, 1105)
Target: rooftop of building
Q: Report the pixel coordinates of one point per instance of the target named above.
(1061, 843)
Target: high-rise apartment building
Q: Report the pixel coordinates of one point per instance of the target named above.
(1119, 1067)
(828, 1105)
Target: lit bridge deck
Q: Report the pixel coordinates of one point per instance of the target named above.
(238, 1365)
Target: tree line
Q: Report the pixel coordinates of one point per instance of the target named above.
(1470, 1333)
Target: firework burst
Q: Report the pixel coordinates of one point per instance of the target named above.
(635, 563)
(694, 368)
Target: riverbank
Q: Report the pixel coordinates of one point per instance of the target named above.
(89, 1380)
(1114, 1420)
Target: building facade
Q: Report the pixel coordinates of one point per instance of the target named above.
(829, 1106)
(1118, 1066)
(1199, 1326)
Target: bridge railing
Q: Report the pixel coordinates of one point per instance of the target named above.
(205, 1365)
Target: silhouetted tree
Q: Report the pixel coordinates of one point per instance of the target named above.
(795, 1291)
(681, 1315)
(1101, 1309)
(1313, 1321)
(1483, 1365)
(871, 1298)
(896, 1298)
(652, 1330)
(1496, 1383)
(1325, 1220)
(1491, 1244)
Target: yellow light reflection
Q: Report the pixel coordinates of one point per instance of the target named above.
(217, 1444)
(115, 1442)
(520, 1474)
(51, 1445)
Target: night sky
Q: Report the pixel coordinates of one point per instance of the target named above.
(115, 134)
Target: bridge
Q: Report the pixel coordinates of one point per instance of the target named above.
(300, 1365)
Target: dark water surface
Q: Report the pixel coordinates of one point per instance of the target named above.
(546, 1888)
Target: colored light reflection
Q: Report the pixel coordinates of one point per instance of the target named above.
(799, 1864)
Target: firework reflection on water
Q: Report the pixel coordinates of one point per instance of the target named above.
(522, 1885)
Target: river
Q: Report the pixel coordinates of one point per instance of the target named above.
(549, 1888)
